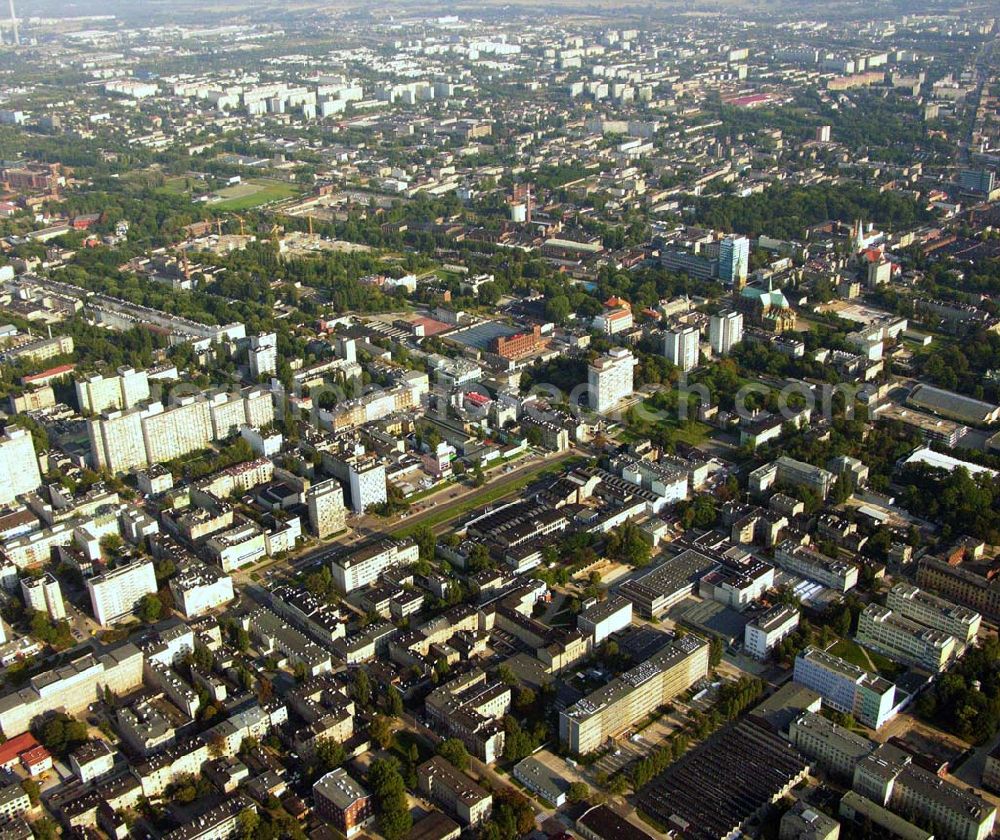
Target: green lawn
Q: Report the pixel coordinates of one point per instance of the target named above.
(178, 185)
(864, 658)
(253, 194)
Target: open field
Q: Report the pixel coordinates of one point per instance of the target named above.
(250, 194)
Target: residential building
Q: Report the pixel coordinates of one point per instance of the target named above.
(454, 791)
(813, 564)
(343, 802)
(680, 346)
(889, 778)
(613, 708)
(273, 633)
(19, 471)
(785, 470)
(115, 594)
(902, 640)
(962, 585)
(126, 389)
(13, 801)
(218, 823)
(44, 595)
(263, 355)
(725, 330)
(609, 379)
(927, 609)
(605, 618)
(92, 760)
(765, 631)
(803, 822)
(199, 588)
(537, 777)
(862, 811)
(830, 747)
(71, 687)
(362, 566)
(327, 514)
(846, 688)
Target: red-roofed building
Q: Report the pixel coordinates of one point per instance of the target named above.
(10, 751)
(36, 760)
(47, 376)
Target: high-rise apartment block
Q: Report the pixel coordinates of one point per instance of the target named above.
(263, 355)
(44, 595)
(680, 346)
(609, 379)
(19, 471)
(327, 514)
(725, 330)
(126, 440)
(127, 388)
(115, 594)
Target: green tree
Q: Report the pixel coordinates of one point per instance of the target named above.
(577, 792)
(391, 804)
(454, 751)
(150, 608)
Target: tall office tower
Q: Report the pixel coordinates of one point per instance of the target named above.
(609, 379)
(680, 346)
(19, 471)
(327, 514)
(734, 259)
(44, 595)
(116, 594)
(725, 330)
(263, 355)
(822, 134)
(116, 441)
(127, 388)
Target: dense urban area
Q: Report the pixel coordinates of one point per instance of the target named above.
(499, 420)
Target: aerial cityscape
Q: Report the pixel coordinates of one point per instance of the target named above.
(494, 420)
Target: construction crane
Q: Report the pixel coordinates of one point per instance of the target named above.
(242, 224)
(218, 226)
(310, 224)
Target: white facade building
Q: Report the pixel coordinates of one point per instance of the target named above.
(19, 471)
(680, 346)
(609, 379)
(724, 331)
(115, 594)
(44, 595)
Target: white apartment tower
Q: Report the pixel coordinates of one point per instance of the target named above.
(44, 595)
(609, 379)
(185, 427)
(263, 355)
(680, 346)
(19, 471)
(327, 514)
(127, 388)
(725, 330)
(116, 441)
(115, 594)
